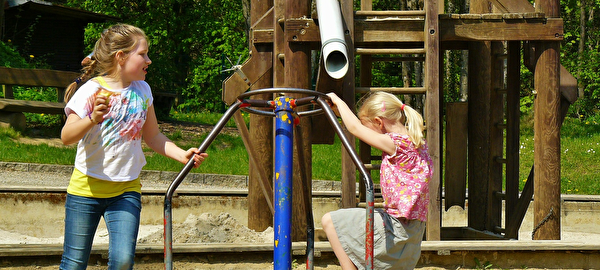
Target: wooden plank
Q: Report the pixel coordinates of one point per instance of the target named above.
(467, 233)
(394, 90)
(512, 6)
(389, 13)
(568, 85)
(362, 51)
(302, 30)
(550, 29)
(390, 30)
(13, 105)
(455, 176)
(36, 77)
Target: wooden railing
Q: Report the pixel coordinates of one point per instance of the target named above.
(35, 78)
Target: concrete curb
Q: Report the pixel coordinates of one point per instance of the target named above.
(217, 180)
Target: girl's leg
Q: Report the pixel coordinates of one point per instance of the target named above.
(122, 219)
(82, 216)
(332, 236)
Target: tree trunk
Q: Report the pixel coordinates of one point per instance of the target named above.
(581, 43)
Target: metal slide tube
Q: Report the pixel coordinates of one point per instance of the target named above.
(333, 42)
(370, 196)
(168, 219)
(284, 157)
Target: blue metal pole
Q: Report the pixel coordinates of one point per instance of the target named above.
(284, 156)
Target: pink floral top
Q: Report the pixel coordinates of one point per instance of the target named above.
(405, 179)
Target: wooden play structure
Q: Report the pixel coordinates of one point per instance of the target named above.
(481, 134)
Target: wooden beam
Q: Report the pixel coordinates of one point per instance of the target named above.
(550, 29)
(466, 233)
(453, 27)
(36, 77)
(251, 71)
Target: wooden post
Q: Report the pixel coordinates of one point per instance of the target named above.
(512, 135)
(479, 125)
(433, 117)
(297, 75)
(455, 173)
(366, 77)
(348, 168)
(547, 133)
(496, 139)
(261, 134)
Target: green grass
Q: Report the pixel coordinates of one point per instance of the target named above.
(580, 140)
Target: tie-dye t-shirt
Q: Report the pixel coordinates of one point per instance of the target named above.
(112, 149)
(405, 179)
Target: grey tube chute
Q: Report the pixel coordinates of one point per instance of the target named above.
(333, 44)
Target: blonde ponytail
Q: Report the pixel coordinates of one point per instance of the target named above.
(414, 125)
(88, 72)
(388, 106)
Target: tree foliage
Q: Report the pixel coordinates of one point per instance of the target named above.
(580, 52)
(188, 41)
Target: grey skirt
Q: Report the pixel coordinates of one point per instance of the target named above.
(397, 245)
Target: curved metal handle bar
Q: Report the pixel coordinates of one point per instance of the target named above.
(184, 172)
(370, 196)
(209, 139)
(299, 101)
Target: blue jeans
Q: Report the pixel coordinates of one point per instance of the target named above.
(82, 215)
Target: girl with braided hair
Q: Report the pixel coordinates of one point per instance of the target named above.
(109, 111)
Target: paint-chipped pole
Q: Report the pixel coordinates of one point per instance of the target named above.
(284, 156)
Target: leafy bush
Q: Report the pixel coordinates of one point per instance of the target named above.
(9, 57)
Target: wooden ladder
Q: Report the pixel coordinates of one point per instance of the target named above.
(423, 50)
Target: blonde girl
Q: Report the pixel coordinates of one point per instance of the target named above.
(109, 111)
(384, 122)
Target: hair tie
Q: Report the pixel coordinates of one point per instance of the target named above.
(78, 80)
(402, 107)
(383, 106)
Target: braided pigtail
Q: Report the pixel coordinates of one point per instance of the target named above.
(88, 72)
